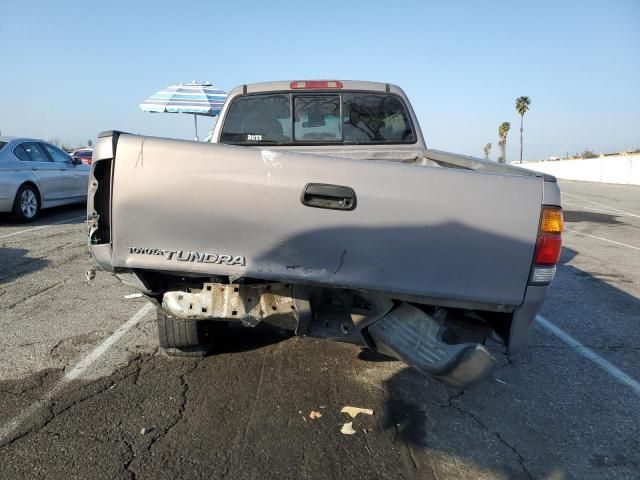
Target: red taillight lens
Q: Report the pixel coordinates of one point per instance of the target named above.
(548, 249)
(548, 246)
(305, 84)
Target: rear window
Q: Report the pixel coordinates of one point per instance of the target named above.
(2, 144)
(318, 118)
(258, 119)
(21, 153)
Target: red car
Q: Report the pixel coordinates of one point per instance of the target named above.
(84, 155)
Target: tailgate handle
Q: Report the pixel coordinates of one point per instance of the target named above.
(333, 197)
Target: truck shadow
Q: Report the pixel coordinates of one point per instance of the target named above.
(15, 263)
(236, 338)
(499, 411)
(460, 261)
(577, 216)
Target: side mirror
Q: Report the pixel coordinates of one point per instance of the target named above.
(75, 161)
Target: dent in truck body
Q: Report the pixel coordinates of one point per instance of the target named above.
(523, 317)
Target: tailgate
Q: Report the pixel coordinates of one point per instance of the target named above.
(423, 231)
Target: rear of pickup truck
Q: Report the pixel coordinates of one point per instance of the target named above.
(419, 260)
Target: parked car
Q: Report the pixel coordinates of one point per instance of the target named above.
(84, 155)
(318, 208)
(36, 175)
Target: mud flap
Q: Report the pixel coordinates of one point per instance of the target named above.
(409, 334)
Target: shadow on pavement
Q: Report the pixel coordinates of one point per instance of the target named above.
(577, 216)
(16, 263)
(601, 295)
(64, 215)
(518, 420)
(237, 339)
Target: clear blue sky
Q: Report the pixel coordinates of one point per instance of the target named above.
(71, 69)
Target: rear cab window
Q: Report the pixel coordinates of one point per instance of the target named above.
(359, 118)
(258, 119)
(317, 118)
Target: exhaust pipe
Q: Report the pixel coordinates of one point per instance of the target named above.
(410, 335)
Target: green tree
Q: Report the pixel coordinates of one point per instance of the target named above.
(503, 129)
(589, 154)
(487, 151)
(522, 107)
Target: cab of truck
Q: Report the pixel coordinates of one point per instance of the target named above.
(319, 112)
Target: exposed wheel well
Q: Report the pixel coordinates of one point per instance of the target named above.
(35, 190)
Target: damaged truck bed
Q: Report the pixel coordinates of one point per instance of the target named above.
(318, 208)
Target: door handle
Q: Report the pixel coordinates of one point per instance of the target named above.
(34, 168)
(333, 197)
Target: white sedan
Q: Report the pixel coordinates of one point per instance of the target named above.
(36, 175)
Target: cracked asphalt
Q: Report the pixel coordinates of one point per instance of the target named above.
(243, 412)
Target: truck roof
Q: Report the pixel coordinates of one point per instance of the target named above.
(286, 85)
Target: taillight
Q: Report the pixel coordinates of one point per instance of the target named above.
(548, 249)
(552, 221)
(306, 84)
(548, 246)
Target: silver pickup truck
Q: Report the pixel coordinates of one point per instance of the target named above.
(317, 207)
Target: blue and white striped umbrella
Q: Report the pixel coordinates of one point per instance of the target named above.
(197, 98)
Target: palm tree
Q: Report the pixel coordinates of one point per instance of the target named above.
(522, 106)
(503, 129)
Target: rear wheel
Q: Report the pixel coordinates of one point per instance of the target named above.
(26, 205)
(190, 338)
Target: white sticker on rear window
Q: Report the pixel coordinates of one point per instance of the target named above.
(251, 137)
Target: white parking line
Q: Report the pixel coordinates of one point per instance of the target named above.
(586, 352)
(41, 227)
(86, 362)
(613, 209)
(587, 208)
(603, 239)
(10, 427)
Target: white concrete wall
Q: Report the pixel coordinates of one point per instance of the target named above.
(623, 169)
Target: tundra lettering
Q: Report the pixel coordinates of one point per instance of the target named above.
(189, 256)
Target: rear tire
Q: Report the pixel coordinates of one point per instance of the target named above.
(26, 205)
(186, 338)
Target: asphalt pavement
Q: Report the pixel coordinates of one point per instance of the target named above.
(85, 393)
